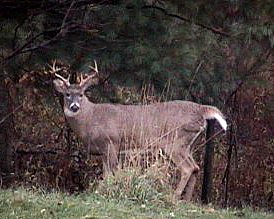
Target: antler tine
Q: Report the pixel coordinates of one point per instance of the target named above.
(63, 79)
(95, 68)
(89, 77)
(54, 69)
(82, 79)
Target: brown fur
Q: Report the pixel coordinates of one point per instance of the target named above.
(102, 127)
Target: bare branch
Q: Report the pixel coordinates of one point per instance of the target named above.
(215, 30)
(65, 19)
(63, 29)
(8, 115)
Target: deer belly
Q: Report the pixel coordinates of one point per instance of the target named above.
(100, 146)
(95, 150)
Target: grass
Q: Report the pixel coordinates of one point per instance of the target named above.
(142, 187)
(22, 203)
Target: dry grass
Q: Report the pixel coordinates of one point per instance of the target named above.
(145, 174)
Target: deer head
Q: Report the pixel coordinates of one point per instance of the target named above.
(74, 94)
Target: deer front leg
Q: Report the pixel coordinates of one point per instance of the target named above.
(110, 160)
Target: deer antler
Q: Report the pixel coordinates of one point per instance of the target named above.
(54, 69)
(96, 72)
(95, 68)
(66, 81)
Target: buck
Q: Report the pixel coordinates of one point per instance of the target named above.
(103, 128)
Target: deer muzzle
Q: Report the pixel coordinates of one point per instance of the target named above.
(74, 107)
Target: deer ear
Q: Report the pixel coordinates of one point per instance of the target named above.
(60, 86)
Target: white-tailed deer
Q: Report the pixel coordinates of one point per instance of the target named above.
(104, 127)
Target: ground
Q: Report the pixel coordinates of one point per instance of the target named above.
(22, 203)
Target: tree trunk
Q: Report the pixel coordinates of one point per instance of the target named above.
(5, 127)
(208, 163)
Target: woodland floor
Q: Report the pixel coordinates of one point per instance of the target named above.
(21, 203)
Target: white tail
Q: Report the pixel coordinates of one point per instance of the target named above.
(221, 120)
(211, 112)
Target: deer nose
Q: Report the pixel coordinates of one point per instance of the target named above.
(74, 107)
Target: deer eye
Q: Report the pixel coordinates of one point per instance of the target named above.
(67, 94)
(81, 95)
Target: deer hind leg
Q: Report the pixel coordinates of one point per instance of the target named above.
(187, 169)
(189, 188)
(191, 181)
(188, 191)
(180, 156)
(184, 161)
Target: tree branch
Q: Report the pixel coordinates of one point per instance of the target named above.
(215, 30)
(9, 114)
(63, 29)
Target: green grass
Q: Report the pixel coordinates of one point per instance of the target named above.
(22, 203)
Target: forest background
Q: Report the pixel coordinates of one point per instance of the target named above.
(210, 52)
